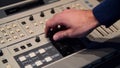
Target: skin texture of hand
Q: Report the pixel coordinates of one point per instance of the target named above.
(78, 23)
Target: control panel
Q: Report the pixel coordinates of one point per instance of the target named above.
(103, 34)
(23, 43)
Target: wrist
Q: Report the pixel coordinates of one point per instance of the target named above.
(93, 19)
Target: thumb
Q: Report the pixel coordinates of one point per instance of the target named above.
(62, 34)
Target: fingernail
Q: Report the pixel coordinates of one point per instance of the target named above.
(55, 37)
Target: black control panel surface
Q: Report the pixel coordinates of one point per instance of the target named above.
(38, 57)
(8, 2)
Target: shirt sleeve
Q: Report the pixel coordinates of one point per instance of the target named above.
(107, 12)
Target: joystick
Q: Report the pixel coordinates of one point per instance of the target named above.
(54, 30)
(66, 46)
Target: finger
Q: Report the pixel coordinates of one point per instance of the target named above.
(47, 27)
(62, 34)
(56, 20)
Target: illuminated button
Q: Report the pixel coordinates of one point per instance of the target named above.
(8, 27)
(27, 27)
(35, 24)
(14, 25)
(28, 66)
(22, 35)
(5, 34)
(78, 5)
(31, 32)
(2, 41)
(41, 22)
(48, 59)
(42, 51)
(32, 54)
(9, 39)
(22, 58)
(59, 26)
(15, 37)
(38, 63)
(18, 30)
(2, 29)
(12, 32)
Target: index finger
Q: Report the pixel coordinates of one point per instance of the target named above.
(51, 23)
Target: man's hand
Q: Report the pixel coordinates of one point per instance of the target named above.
(78, 23)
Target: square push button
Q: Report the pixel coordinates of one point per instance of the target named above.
(41, 51)
(32, 54)
(5, 61)
(22, 47)
(16, 49)
(22, 58)
(29, 44)
(28, 66)
(38, 63)
(48, 59)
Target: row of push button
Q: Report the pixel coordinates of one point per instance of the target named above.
(22, 47)
(38, 63)
(10, 32)
(32, 54)
(23, 58)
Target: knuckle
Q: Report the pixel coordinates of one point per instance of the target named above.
(70, 33)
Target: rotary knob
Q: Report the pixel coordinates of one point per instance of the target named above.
(52, 11)
(31, 18)
(37, 39)
(1, 53)
(42, 14)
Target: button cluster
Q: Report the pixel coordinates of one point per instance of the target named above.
(37, 63)
(38, 57)
(41, 51)
(27, 26)
(28, 66)
(22, 58)
(34, 54)
(22, 47)
(48, 59)
(10, 32)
